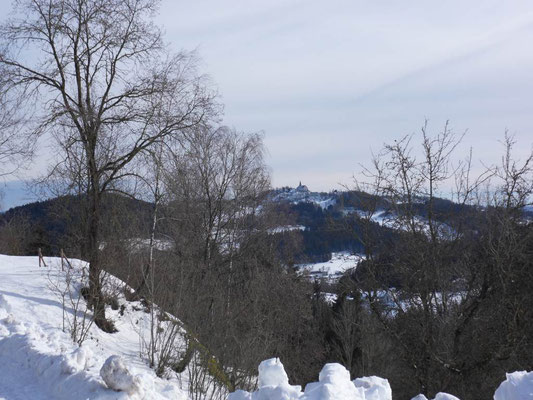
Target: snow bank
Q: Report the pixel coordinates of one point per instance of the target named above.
(333, 384)
(39, 361)
(117, 377)
(517, 386)
(445, 396)
(273, 384)
(272, 373)
(33, 367)
(439, 396)
(375, 388)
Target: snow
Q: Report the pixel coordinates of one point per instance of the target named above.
(272, 373)
(273, 384)
(333, 384)
(375, 388)
(445, 396)
(517, 386)
(287, 228)
(388, 219)
(117, 376)
(301, 194)
(140, 244)
(335, 267)
(40, 361)
(439, 396)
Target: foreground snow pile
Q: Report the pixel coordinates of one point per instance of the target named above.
(117, 376)
(273, 384)
(38, 360)
(439, 396)
(333, 384)
(517, 386)
(375, 388)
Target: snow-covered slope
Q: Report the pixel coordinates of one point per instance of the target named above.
(334, 268)
(301, 194)
(40, 361)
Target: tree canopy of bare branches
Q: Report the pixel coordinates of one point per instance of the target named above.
(441, 280)
(97, 76)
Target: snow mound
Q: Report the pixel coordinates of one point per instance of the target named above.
(117, 377)
(333, 384)
(375, 388)
(517, 386)
(240, 395)
(272, 373)
(31, 364)
(445, 396)
(439, 396)
(81, 359)
(273, 384)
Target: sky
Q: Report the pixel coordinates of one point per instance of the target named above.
(330, 82)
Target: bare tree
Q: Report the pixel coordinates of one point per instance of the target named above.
(16, 145)
(104, 85)
(435, 281)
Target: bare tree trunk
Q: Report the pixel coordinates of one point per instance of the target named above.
(96, 299)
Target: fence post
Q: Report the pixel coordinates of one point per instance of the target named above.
(41, 258)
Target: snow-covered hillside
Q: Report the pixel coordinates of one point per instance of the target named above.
(332, 269)
(301, 194)
(40, 361)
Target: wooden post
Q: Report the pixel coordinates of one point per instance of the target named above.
(64, 259)
(41, 258)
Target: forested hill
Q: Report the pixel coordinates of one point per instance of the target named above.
(320, 223)
(56, 223)
(332, 222)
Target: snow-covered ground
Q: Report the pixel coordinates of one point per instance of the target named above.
(388, 219)
(332, 269)
(40, 361)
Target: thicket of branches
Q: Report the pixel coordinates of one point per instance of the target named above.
(445, 305)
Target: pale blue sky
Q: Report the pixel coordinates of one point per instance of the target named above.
(329, 81)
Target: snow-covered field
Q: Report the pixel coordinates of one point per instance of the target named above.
(40, 361)
(287, 228)
(333, 268)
